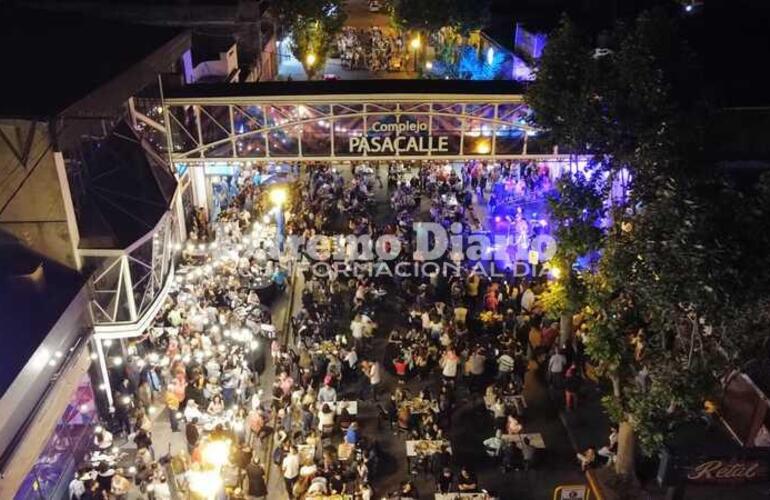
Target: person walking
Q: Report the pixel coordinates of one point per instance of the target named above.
(192, 434)
(556, 365)
(375, 378)
(290, 469)
(571, 386)
(257, 484)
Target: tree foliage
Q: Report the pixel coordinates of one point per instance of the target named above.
(314, 25)
(427, 16)
(670, 305)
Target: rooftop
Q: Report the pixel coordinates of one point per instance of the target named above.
(34, 292)
(349, 87)
(57, 59)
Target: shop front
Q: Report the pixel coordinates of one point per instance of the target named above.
(221, 133)
(66, 447)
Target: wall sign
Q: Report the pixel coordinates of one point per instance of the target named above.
(728, 471)
(396, 143)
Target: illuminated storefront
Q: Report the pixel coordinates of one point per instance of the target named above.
(230, 129)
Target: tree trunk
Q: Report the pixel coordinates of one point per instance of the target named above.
(565, 328)
(624, 464)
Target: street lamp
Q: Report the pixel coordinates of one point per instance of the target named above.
(415, 45)
(310, 59)
(278, 196)
(278, 199)
(483, 147)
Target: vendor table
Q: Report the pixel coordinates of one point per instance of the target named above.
(325, 347)
(423, 447)
(418, 406)
(345, 451)
(535, 439)
(352, 407)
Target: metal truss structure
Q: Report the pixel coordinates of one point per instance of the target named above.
(127, 283)
(323, 128)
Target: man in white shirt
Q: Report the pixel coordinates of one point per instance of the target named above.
(375, 377)
(527, 300)
(290, 468)
(476, 363)
(493, 444)
(76, 488)
(461, 314)
(351, 360)
(448, 364)
(357, 332)
(556, 368)
(505, 364)
(327, 394)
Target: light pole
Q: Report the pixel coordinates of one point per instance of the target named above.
(415, 45)
(278, 198)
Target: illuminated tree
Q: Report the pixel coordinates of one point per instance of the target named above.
(313, 25)
(667, 303)
(470, 66)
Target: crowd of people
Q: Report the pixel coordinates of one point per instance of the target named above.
(370, 49)
(214, 365)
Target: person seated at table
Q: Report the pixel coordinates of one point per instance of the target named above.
(444, 481)
(398, 395)
(527, 453)
(352, 435)
(490, 396)
(494, 444)
(327, 393)
(191, 411)
(344, 418)
(512, 426)
(326, 419)
(433, 432)
(120, 485)
(409, 491)
(216, 406)
(466, 481)
(103, 438)
(318, 486)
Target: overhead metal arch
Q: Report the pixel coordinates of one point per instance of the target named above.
(308, 128)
